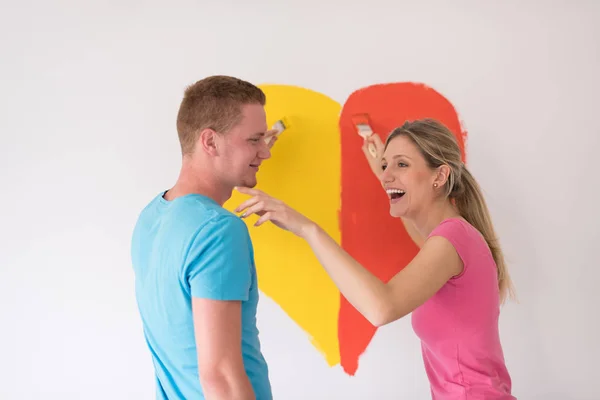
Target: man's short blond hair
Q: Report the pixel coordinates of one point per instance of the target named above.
(216, 103)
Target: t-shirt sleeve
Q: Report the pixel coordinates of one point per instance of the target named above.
(455, 233)
(220, 261)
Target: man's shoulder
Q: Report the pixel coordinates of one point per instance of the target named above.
(191, 217)
(208, 213)
(202, 217)
(223, 224)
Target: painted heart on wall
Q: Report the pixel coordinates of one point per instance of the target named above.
(317, 167)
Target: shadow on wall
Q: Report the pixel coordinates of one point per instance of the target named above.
(318, 167)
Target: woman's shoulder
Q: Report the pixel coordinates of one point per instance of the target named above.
(466, 240)
(456, 226)
(460, 233)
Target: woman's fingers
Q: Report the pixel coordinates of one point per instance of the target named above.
(260, 207)
(365, 148)
(267, 210)
(256, 194)
(249, 191)
(376, 140)
(264, 218)
(373, 140)
(266, 207)
(250, 202)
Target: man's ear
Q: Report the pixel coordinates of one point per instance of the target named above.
(207, 141)
(442, 175)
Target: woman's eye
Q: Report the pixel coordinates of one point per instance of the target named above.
(402, 165)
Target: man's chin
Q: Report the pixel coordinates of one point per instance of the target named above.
(249, 183)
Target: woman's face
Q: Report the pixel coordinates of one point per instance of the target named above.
(407, 179)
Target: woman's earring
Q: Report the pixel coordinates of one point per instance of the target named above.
(435, 185)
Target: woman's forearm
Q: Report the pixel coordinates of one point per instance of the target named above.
(367, 293)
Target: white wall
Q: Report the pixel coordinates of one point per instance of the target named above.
(89, 94)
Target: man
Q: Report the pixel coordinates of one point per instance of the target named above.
(193, 260)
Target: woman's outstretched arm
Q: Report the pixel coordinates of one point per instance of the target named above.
(379, 302)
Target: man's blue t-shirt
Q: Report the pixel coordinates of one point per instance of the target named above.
(184, 248)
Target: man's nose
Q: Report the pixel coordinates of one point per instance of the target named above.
(265, 151)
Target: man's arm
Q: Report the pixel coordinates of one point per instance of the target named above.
(219, 276)
(218, 329)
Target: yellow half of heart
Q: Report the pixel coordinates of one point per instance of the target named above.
(303, 171)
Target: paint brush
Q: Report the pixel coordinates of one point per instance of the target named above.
(363, 128)
(279, 126)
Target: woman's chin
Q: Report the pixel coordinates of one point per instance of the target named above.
(397, 211)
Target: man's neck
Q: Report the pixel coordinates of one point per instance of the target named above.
(198, 181)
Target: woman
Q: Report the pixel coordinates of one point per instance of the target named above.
(454, 285)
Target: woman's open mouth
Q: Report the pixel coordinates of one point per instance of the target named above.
(395, 194)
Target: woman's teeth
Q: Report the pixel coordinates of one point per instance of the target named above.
(395, 193)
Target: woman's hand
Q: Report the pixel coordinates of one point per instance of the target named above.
(374, 162)
(274, 210)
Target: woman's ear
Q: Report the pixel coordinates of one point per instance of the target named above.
(442, 175)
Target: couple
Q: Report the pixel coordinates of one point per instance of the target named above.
(195, 277)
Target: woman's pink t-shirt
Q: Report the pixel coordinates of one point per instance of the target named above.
(458, 326)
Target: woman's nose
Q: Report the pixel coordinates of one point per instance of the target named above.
(386, 176)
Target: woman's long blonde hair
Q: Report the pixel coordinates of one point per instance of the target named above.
(439, 147)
